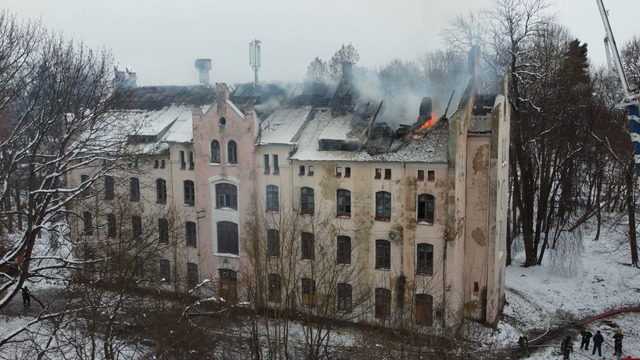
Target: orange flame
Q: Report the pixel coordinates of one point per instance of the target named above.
(429, 123)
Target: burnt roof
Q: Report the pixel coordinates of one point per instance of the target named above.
(159, 97)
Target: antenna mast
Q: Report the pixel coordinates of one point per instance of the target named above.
(254, 57)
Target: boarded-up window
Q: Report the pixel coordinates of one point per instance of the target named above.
(228, 285)
(424, 309)
(383, 303)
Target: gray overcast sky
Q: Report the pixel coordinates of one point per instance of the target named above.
(160, 39)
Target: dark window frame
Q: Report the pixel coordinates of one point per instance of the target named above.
(214, 152)
(109, 187)
(183, 163)
(347, 171)
(87, 223)
(267, 169)
(343, 247)
(343, 202)
(431, 175)
(424, 259)
(163, 231)
(273, 242)
(134, 189)
(232, 152)
(275, 288)
(226, 196)
(136, 227)
(425, 209)
(308, 292)
(383, 254)
(161, 191)
(382, 303)
(307, 246)
(276, 167)
(273, 198)
(377, 173)
(189, 188)
(387, 174)
(191, 234)
(164, 273)
(86, 192)
(112, 230)
(383, 206)
(344, 297)
(420, 175)
(227, 237)
(307, 200)
(424, 309)
(193, 275)
(192, 163)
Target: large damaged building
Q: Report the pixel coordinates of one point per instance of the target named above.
(318, 193)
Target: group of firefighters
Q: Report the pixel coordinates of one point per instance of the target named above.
(566, 347)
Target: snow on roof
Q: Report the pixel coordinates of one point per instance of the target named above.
(282, 126)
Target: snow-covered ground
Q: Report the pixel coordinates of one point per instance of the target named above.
(573, 286)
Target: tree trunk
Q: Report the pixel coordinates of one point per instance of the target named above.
(632, 213)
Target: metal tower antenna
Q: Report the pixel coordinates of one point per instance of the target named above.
(254, 57)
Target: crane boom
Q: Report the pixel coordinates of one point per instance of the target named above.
(630, 100)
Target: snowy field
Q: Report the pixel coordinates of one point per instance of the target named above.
(571, 287)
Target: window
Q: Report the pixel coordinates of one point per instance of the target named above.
(387, 174)
(347, 172)
(189, 193)
(109, 187)
(344, 297)
(344, 203)
(222, 121)
(136, 227)
(378, 173)
(163, 231)
(134, 189)
(420, 175)
(383, 303)
(87, 223)
(273, 242)
(84, 179)
(306, 200)
(310, 172)
(111, 226)
(227, 237)
(161, 164)
(344, 250)
(426, 208)
(338, 171)
(267, 170)
(276, 167)
(192, 275)
(161, 191)
(272, 198)
(156, 163)
(308, 291)
(232, 152)
(165, 270)
(307, 246)
(215, 152)
(383, 206)
(226, 196)
(228, 286)
(183, 164)
(275, 287)
(431, 175)
(191, 162)
(383, 254)
(191, 236)
(301, 172)
(424, 259)
(424, 309)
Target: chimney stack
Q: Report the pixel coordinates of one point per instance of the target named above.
(203, 66)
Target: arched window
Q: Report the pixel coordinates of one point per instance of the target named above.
(232, 152)
(424, 309)
(383, 206)
(228, 237)
(161, 191)
(215, 152)
(425, 208)
(189, 193)
(424, 259)
(344, 250)
(306, 201)
(343, 203)
(272, 198)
